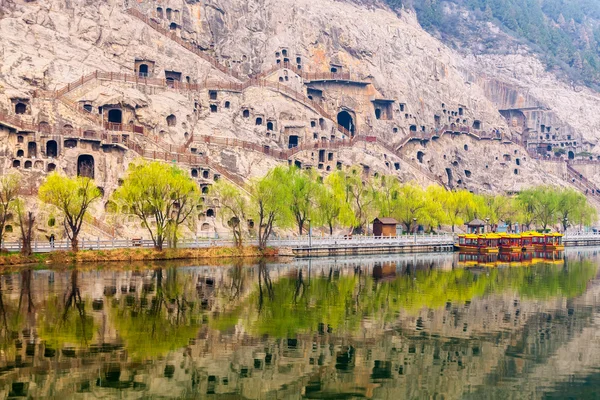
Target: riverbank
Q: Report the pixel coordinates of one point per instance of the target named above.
(137, 255)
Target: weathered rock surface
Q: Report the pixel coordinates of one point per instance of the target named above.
(391, 78)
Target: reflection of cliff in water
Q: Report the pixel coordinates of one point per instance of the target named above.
(388, 327)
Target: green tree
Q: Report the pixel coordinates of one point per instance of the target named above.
(361, 195)
(303, 187)
(9, 190)
(161, 193)
(570, 203)
(270, 201)
(233, 208)
(455, 204)
(340, 204)
(329, 207)
(413, 203)
(73, 197)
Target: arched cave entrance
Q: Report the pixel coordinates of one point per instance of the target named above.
(85, 166)
(20, 108)
(571, 155)
(345, 120)
(143, 72)
(51, 148)
(115, 116)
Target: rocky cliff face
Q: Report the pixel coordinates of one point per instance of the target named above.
(226, 88)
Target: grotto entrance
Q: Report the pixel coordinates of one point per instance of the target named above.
(85, 166)
(344, 119)
(115, 116)
(293, 141)
(51, 148)
(143, 71)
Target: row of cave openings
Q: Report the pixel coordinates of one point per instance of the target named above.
(85, 165)
(171, 15)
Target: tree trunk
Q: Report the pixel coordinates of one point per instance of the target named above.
(300, 226)
(74, 243)
(26, 246)
(158, 243)
(330, 229)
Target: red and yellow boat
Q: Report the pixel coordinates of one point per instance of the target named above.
(485, 243)
(554, 242)
(530, 240)
(511, 243)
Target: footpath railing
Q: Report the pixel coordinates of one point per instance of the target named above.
(173, 36)
(302, 242)
(581, 237)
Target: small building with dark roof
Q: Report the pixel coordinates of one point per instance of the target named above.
(476, 226)
(384, 226)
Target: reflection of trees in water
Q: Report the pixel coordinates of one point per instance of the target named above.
(290, 306)
(65, 323)
(153, 325)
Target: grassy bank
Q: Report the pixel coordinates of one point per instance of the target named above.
(135, 255)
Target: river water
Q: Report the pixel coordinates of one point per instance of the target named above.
(431, 326)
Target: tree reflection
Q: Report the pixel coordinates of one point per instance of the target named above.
(159, 322)
(65, 322)
(340, 302)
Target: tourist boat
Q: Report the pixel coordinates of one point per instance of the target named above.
(488, 243)
(467, 244)
(539, 241)
(554, 242)
(511, 243)
(527, 240)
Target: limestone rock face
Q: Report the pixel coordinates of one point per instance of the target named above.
(232, 88)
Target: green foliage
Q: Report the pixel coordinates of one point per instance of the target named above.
(352, 199)
(234, 207)
(565, 33)
(159, 193)
(270, 199)
(72, 197)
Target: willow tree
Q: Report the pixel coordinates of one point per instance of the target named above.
(270, 201)
(303, 188)
(234, 208)
(570, 206)
(160, 193)
(9, 190)
(73, 197)
(328, 207)
(360, 196)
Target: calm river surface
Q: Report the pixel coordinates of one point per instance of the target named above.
(435, 326)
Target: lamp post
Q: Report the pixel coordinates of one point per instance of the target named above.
(487, 223)
(415, 229)
(309, 233)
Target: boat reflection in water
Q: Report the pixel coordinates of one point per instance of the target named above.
(513, 259)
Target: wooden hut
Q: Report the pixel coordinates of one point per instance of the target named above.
(384, 227)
